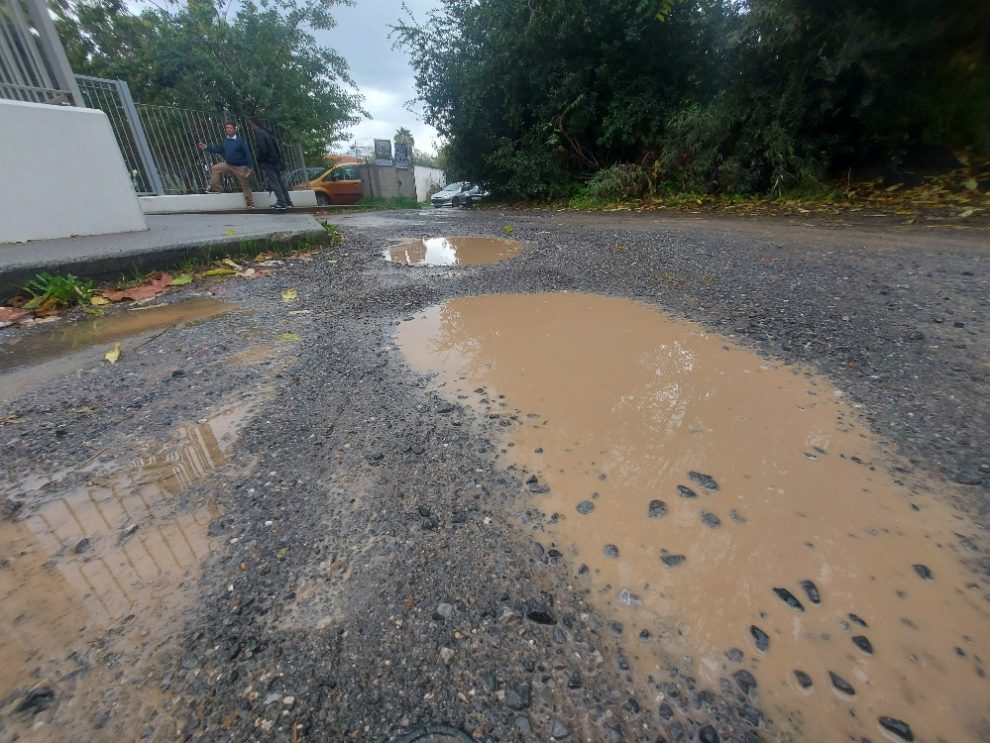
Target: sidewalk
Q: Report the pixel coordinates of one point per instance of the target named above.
(169, 239)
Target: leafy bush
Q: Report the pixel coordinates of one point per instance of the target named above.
(624, 181)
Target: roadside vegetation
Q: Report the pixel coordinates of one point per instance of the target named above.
(717, 100)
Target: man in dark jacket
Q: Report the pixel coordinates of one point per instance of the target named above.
(270, 160)
(237, 162)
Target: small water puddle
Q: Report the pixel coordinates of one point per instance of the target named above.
(453, 251)
(727, 511)
(64, 338)
(94, 581)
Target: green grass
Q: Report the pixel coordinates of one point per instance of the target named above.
(57, 291)
(402, 202)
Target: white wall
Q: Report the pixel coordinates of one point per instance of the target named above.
(427, 177)
(61, 175)
(218, 202)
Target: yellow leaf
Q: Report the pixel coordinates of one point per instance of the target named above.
(290, 295)
(220, 272)
(182, 279)
(289, 337)
(232, 264)
(230, 231)
(971, 184)
(282, 553)
(967, 213)
(113, 354)
(98, 300)
(507, 229)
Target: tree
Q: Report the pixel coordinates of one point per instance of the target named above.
(261, 60)
(404, 136)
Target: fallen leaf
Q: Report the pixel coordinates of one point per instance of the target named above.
(283, 551)
(289, 337)
(113, 354)
(138, 292)
(160, 281)
(220, 272)
(230, 231)
(290, 295)
(12, 314)
(182, 279)
(247, 273)
(98, 300)
(232, 264)
(967, 213)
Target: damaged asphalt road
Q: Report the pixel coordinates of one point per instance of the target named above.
(370, 569)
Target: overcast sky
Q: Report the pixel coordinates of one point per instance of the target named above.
(382, 75)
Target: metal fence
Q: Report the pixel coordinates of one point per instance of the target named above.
(33, 66)
(160, 143)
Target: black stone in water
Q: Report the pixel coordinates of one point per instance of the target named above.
(708, 734)
(610, 550)
(803, 679)
(761, 637)
(540, 616)
(672, 560)
(746, 680)
(812, 591)
(710, 519)
(858, 620)
(923, 571)
(788, 598)
(37, 700)
(666, 712)
(898, 727)
(658, 509)
(685, 492)
(705, 481)
(734, 654)
(841, 684)
(585, 507)
(863, 644)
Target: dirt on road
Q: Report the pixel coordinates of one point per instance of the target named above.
(510, 476)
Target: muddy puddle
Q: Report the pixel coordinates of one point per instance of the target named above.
(731, 515)
(452, 251)
(94, 582)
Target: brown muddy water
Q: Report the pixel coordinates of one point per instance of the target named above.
(93, 583)
(731, 513)
(453, 251)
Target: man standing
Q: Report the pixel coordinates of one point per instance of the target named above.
(270, 160)
(237, 161)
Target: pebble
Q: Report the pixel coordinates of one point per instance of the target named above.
(658, 509)
(540, 616)
(708, 734)
(585, 507)
(898, 727)
(444, 611)
(841, 684)
(553, 557)
(518, 697)
(811, 591)
(710, 519)
(672, 560)
(446, 654)
(737, 517)
(559, 730)
(863, 644)
(858, 620)
(803, 679)
(761, 637)
(628, 598)
(37, 701)
(82, 545)
(685, 492)
(923, 571)
(788, 598)
(734, 654)
(745, 680)
(610, 550)
(666, 712)
(705, 481)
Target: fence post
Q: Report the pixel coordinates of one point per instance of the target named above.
(140, 138)
(53, 50)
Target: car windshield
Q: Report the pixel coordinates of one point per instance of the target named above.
(453, 187)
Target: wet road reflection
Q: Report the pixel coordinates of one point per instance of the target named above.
(453, 251)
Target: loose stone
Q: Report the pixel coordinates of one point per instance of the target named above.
(841, 684)
(610, 550)
(761, 637)
(858, 620)
(737, 517)
(923, 571)
(788, 598)
(863, 644)
(803, 679)
(708, 734)
(658, 509)
(745, 680)
(559, 730)
(585, 507)
(710, 519)
(898, 727)
(811, 590)
(672, 560)
(734, 654)
(705, 481)
(685, 492)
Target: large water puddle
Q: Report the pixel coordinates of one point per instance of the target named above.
(453, 251)
(95, 580)
(735, 510)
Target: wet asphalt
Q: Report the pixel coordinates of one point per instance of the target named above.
(375, 574)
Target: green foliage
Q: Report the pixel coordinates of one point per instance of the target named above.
(57, 291)
(334, 236)
(401, 202)
(261, 59)
(708, 96)
(617, 182)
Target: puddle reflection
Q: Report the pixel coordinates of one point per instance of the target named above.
(726, 505)
(453, 251)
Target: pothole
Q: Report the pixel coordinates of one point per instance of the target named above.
(731, 515)
(93, 582)
(452, 251)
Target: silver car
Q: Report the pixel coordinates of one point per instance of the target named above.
(459, 193)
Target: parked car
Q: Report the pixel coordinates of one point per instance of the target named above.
(302, 176)
(459, 193)
(340, 184)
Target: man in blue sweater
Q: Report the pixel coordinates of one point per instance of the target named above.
(237, 162)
